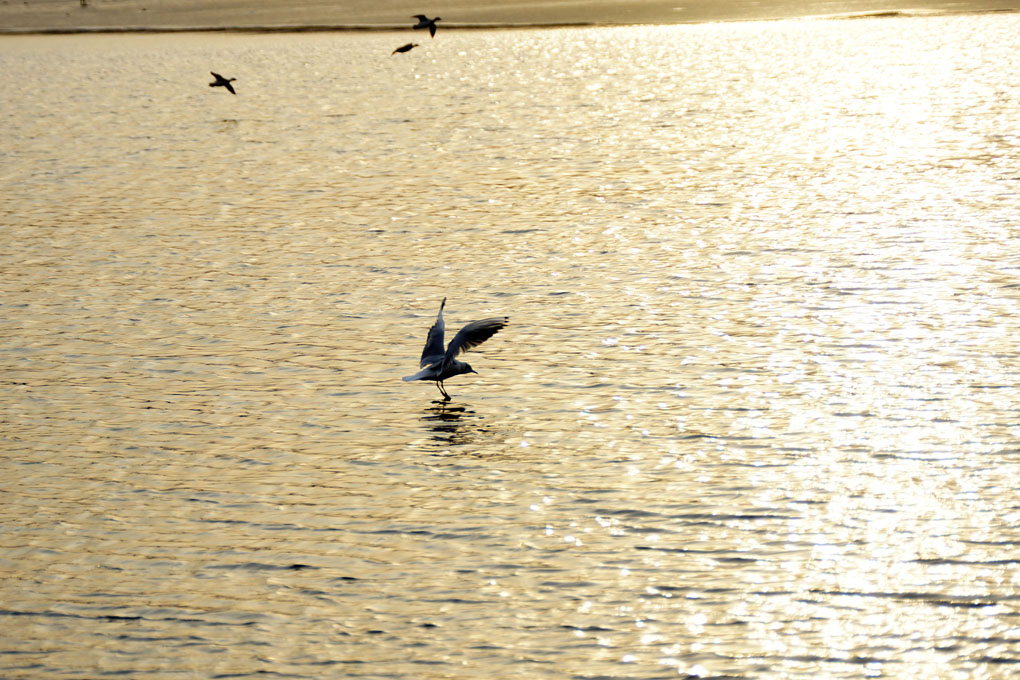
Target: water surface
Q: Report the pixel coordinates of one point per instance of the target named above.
(755, 414)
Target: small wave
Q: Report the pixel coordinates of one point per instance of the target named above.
(935, 599)
(261, 566)
(906, 13)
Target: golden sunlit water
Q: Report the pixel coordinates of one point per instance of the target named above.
(755, 414)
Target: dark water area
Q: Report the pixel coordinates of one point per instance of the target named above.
(63, 16)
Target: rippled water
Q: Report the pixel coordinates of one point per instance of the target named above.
(755, 414)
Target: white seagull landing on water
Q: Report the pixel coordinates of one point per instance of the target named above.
(222, 82)
(425, 22)
(441, 364)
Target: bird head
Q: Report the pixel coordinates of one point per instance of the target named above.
(469, 369)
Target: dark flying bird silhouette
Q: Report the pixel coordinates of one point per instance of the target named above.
(440, 364)
(404, 48)
(222, 82)
(425, 22)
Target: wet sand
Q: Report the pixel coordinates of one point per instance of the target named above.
(20, 16)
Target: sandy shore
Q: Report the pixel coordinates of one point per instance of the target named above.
(17, 16)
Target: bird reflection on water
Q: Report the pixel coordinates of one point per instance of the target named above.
(452, 425)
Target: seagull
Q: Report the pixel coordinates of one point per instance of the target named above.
(439, 364)
(425, 22)
(404, 48)
(222, 82)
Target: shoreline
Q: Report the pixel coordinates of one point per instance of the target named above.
(368, 28)
(259, 19)
(295, 28)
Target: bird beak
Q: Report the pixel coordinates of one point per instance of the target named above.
(473, 371)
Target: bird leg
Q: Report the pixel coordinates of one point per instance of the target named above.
(439, 384)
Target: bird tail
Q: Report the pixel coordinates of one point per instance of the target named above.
(420, 375)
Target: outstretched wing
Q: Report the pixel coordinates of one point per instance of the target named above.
(434, 351)
(474, 334)
(421, 17)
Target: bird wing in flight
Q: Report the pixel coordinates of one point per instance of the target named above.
(474, 334)
(434, 351)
